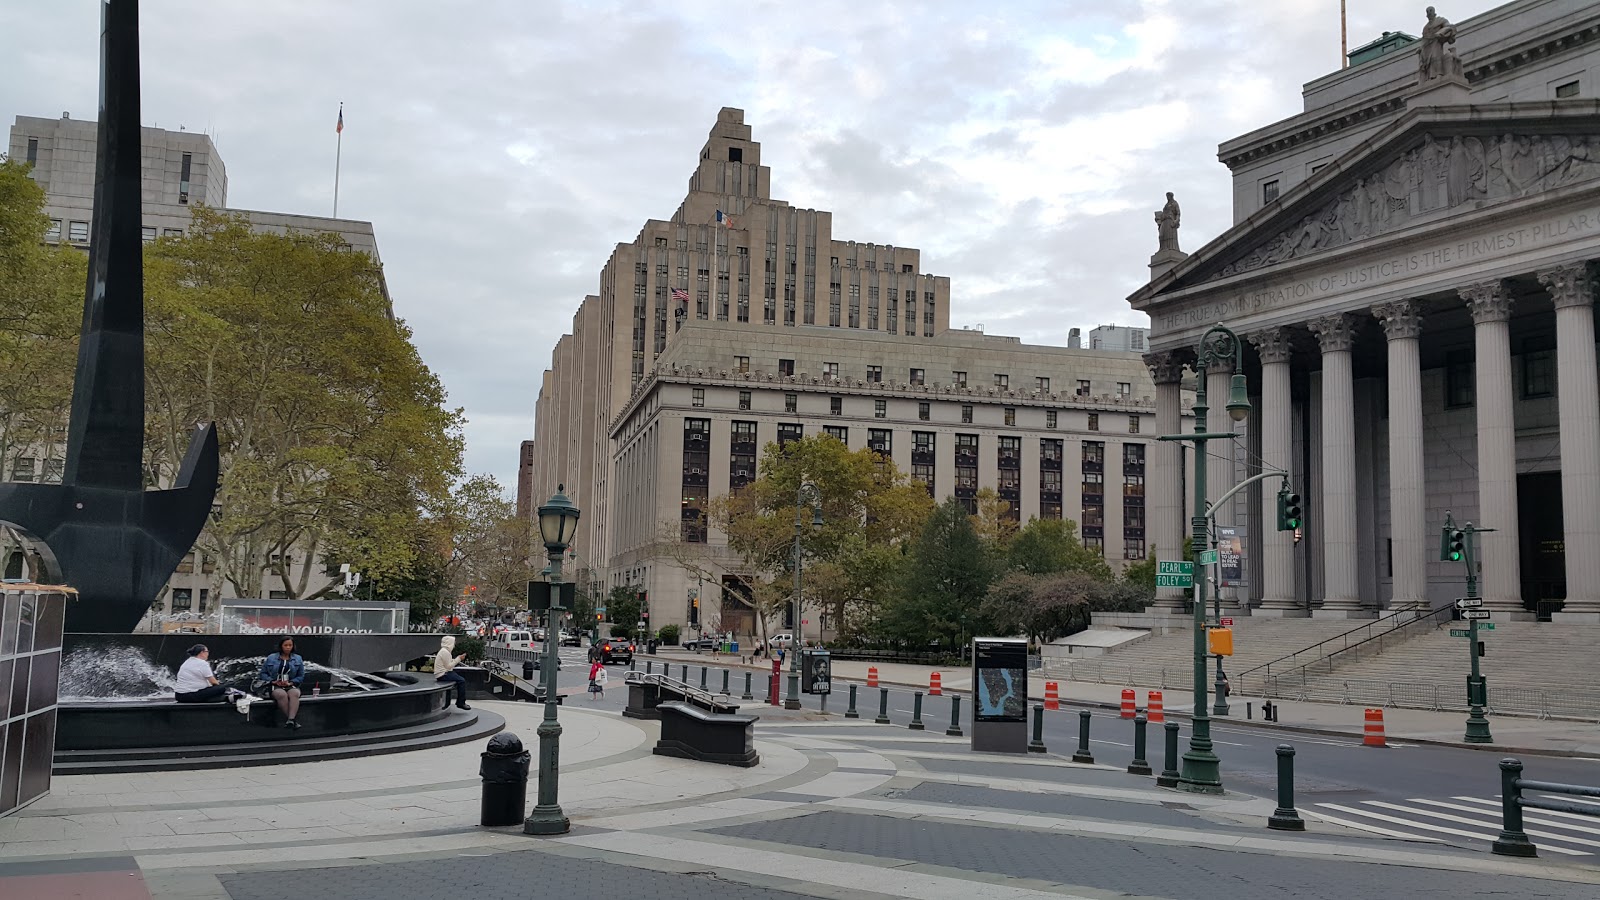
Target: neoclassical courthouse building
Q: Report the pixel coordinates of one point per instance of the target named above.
(1412, 267)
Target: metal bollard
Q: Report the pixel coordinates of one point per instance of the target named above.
(1140, 765)
(702, 678)
(685, 673)
(649, 666)
(1513, 841)
(1169, 770)
(1249, 709)
(851, 712)
(725, 681)
(633, 665)
(883, 707)
(955, 717)
(916, 712)
(1083, 755)
(1284, 818)
(747, 695)
(1037, 744)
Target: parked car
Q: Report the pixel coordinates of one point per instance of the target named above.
(616, 650)
(700, 643)
(570, 638)
(784, 641)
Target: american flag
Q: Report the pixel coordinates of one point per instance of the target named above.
(680, 295)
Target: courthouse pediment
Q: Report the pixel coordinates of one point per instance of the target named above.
(1424, 168)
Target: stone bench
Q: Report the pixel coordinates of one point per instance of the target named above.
(646, 697)
(689, 732)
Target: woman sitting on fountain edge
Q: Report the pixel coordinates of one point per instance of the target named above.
(196, 683)
(279, 680)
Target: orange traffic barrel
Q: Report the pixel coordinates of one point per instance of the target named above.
(872, 676)
(1157, 712)
(1129, 710)
(1372, 732)
(935, 685)
(1051, 699)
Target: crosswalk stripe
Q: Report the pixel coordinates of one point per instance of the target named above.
(1542, 816)
(1585, 801)
(1428, 826)
(1370, 828)
(1494, 825)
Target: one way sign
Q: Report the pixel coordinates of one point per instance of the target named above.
(1469, 603)
(1475, 614)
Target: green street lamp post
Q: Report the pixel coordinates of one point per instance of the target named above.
(808, 495)
(1202, 773)
(1456, 545)
(558, 519)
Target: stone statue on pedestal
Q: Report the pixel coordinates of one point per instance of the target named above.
(1438, 54)
(1167, 220)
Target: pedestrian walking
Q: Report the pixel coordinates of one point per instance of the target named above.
(597, 681)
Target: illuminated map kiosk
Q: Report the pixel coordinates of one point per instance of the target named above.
(1000, 695)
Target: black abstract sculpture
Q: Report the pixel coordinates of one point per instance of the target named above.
(99, 530)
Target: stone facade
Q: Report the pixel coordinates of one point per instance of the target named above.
(1418, 296)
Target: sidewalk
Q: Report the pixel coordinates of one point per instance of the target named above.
(1512, 734)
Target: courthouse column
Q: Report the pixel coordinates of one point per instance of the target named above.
(1402, 325)
(1498, 550)
(1342, 599)
(1275, 420)
(1220, 473)
(1164, 487)
(1578, 400)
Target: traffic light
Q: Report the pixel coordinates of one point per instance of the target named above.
(599, 617)
(1290, 514)
(1452, 545)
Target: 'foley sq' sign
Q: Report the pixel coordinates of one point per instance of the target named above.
(1174, 574)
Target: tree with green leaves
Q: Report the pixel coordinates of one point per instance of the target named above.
(1049, 546)
(946, 578)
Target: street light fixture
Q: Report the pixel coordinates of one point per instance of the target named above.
(808, 495)
(558, 520)
(1202, 772)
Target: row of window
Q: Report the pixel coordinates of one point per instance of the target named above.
(27, 468)
(874, 375)
(78, 232)
(880, 410)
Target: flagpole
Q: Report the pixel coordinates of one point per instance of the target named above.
(1344, 37)
(338, 152)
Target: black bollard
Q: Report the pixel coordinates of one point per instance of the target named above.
(916, 712)
(649, 666)
(685, 673)
(1037, 744)
(747, 695)
(955, 718)
(1284, 818)
(851, 712)
(1083, 755)
(632, 665)
(1169, 770)
(703, 678)
(1140, 765)
(883, 707)
(725, 681)
(1513, 841)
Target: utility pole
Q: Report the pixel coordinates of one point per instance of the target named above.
(1456, 545)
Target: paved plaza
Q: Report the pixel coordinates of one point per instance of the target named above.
(836, 808)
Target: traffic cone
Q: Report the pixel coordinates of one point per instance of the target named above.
(1051, 699)
(872, 676)
(1373, 735)
(935, 685)
(1157, 711)
(1129, 709)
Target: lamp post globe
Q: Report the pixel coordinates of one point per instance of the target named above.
(558, 521)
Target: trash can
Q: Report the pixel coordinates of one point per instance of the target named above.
(504, 770)
(733, 647)
(527, 670)
(651, 647)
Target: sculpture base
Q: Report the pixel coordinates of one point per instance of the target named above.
(1451, 91)
(1164, 261)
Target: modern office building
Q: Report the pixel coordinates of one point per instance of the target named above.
(181, 169)
(1411, 266)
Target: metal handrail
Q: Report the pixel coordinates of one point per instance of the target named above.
(690, 693)
(1410, 608)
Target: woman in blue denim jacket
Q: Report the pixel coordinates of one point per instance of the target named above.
(279, 680)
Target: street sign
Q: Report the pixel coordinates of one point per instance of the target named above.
(1475, 614)
(1459, 632)
(1485, 626)
(1207, 558)
(1226, 623)
(1174, 581)
(1469, 603)
(1169, 567)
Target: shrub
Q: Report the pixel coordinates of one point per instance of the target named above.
(474, 647)
(620, 631)
(668, 635)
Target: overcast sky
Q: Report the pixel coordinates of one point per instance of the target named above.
(501, 148)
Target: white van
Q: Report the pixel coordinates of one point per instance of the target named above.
(511, 639)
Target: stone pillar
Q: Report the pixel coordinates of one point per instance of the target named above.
(1408, 527)
(1164, 525)
(1578, 398)
(1342, 599)
(1275, 421)
(1220, 474)
(1499, 551)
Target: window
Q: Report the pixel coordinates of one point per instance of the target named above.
(966, 415)
(33, 150)
(838, 433)
(836, 406)
(1458, 386)
(1049, 418)
(880, 409)
(53, 470)
(1094, 421)
(24, 469)
(786, 367)
(741, 363)
(78, 232)
(917, 376)
(1042, 385)
(735, 154)
(182, 599)
(1124, 389)
(1269, 191)
(830, 370)
(1001, 380)
(791, 402)
(789, 432)
(277, 595)
(147, 233)
(906, 268)
(924, 409)
(833, 261)
(53, 233)
(960, 378)
(661, 242)
(699, 396)
(880, 441)
(1011, 415)
(1133, 424)
(172, 232)
(183, 178)
(1538, 373)
(205, 595)
(1566, 91)
(874, 373)
(1083, 387)
(744, 399)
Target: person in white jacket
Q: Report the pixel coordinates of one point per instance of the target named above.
(444, 664)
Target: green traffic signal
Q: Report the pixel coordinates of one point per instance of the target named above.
(1452, 545)
(1290, 514)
